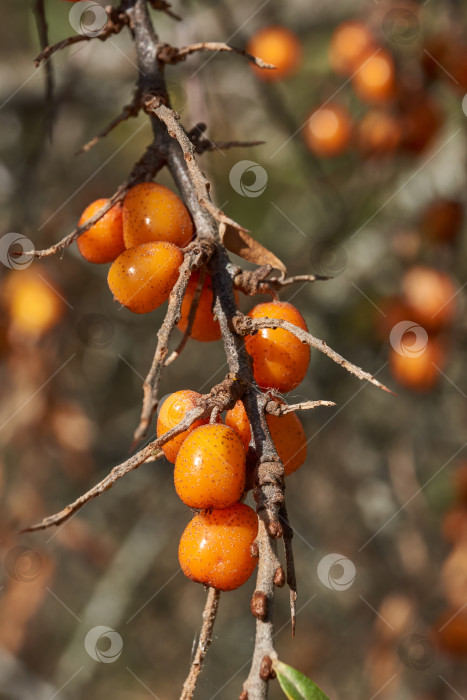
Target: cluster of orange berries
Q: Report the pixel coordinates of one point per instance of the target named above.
(210, 458)
(142, 238)
(428, 298)
(400, 116)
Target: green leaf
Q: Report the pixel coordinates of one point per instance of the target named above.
(295, 685)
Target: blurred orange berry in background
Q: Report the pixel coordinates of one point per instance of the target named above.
(172, 411)
(103, 242)
(328, 130)
(378, 133)
(450, 632)
(33, 305)
(215, 548)
(442, 220)
(374, 80)
(421, 119)
(278, 46)
(142, 278)
(280, 359)
(430, 296)
(351, 43)
(287, 434)
(152, 212)
(204, 327)
(419, 372)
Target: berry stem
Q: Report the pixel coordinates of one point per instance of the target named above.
(205, 638)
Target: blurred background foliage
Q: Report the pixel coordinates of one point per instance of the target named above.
(385, 484)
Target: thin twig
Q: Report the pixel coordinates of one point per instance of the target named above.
(196, 254)
(209, 617)
(290, 565)
(190, 320)
(278, 409)
(42, 30)
(130, 110)
(145, 169)
(248, 326)
(172, 54)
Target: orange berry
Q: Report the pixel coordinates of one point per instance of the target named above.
(152, 212)
(375, 81)
(33, 304)
(455, 525)
(103, 242)
(280, 359)
(286, 431)
(142, 278)
(172, 411)
(210, 468)
(430, 295)
(351, 42)
(442, 220)
(379, 133)
(450, 632)
(328, 130)
(204, 327)
(418, 372)
(421, 120)
(278, 46)
(215, 548)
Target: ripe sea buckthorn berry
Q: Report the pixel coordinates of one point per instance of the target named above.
(171, 412)
(142, 278)
(152, 212)
(328, 130)
(379, 133)
(215, 548)
(210, 467)
(286, 431)
(374, 81)
(442, 220)
(103, 242)
(33, 304)
(430, 295)
(280, 359)
(350, 44)
(418, 371)
(278, 46)
(204, 327)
